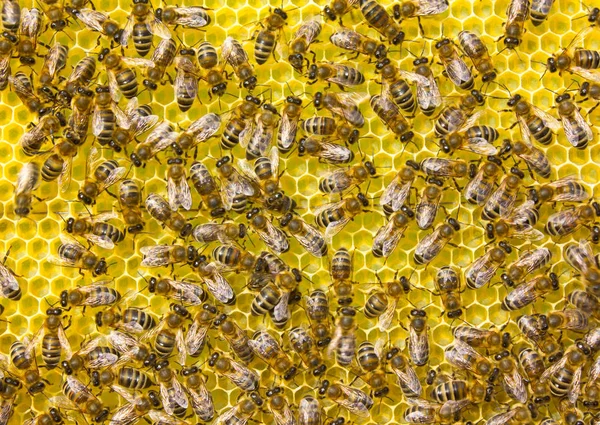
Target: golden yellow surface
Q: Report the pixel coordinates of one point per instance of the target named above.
(32, 240)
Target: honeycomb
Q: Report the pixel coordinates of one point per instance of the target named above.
(33, 240)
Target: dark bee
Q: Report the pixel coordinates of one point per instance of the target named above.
(456, 69)
(396, 87)
(266, 39)
(11, 16)
(141, 24)
(461, 115)
(103, 175)
(186, 81)
(130, 200)
(72, 254)
(391, 116)
(342, 75)
(478, 53)
(187, 17)
(579, 133)
(303, 38)
(380, 20)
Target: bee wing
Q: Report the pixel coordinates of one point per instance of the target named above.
(514, 385)
(127, 31)
(480, 146)
(309, 30)
(334, 227)
(385, 320)
(124, 415)
(333, 205)
(502, 418)
(571, 129)
(157, 27)
(113, 86)
(384, 234)
(138, 62)
(219, 286)
(335, 340)
(554, 368)
(548, 119)
(432, 7)
(143, 124)
(255, 136)
(417, 79)
(396, 194)
(591, 75)
(62, 402)
(335, 153)
(581, 122)
(202, 402)
(274, 238)
(287, 131)
(187, 293)
(205, 127)
(192, 17)
(114, 176)
(246, 134)
(8, 282)
(307, 240)
(227, 416)
(358, 408)
(24, 181)
(247, 170)
(102, 241)
(457, 70)
(274, 158)
(283, 416)
(93, 298)
(155, 256)
(92, 19)
(514, 10)
(161, 418)
(418, 343)
(281, 312)
(233, 52)
(195, 337)
(346, 38)
(78, 387)
(181, 346)
(179, 194)
(53, 58)
(409, 378)
(173, 398)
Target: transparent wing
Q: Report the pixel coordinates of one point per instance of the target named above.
(127, 30)
(501, 418)
(548, 119)
(335, 153)
(155, 256)
(309, 30)
(92, 18)
(192, 17)
(158, 28)
(179, 194)
(514, 384)
(334, 227)
(385, 320)
(357, 407)
(219, 286)
(431, 7)
(480, 146)
(274, 238)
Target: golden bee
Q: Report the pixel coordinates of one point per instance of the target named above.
(478, 53)
(431, 245)
(380, 20)
(332, 153)
(388, 236)
(267, 37)
(342, 75)
(233, 52)
(103, 174)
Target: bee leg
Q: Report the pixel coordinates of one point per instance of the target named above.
(593, 108)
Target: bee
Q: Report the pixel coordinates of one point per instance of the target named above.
(98, 21)
(266, 39)
(104, 119)
(569, 220)
(289, 123)
(483, 269)
(264, 173)
(132, 319)
(159, 209)
(387, 237)
(457, 390)
(533, 121)
(237, 340)
(328, 152)
(389, 113)
(94, 295)
(196, 335)
(82, 74)
(340, 180)
(225, 232)
(160, 138)
(396, 193)
(343, 341)
(187, 17)
(104, 175)
(480, 187)
(215, 77)
(81, 105)
(305, 346)
(29, 30)
(238, 189)
(53, 417)
(52, 337)
(369, 359)
(591, 90)
(341, 274)
(502, 200)
(515, 416)
(141, 25)
(418, 8)
(90, 355)
(28, 180)
(428, 412)
(306, 235)
(265, 347)
(231, 258)
(534, 327)
(240, 125)
(134, 121)
(239, 414)
(517, 224)
(408, 381)
(136, 407)
(565, 189)
(539, 11)
(23, 88)
(343, 105)
(428, 93)
(456, 69)
(581, 258)
(447, 284)
(309, 411)
(462, 356)
(54, 61)
(172, 393)
(164, 255)
(236, 56)
(303, 38)
(477, 139)
(96, 230)
(260, 141)
(527, 292)
(121, 78)
(577, 130)
(477, 51)
(381, 21)
(333, 217)
(535, 158)
(32, 141)
(429, 204)
(180, 291)
(351, 40)
(168, 335)
(11, 16)
(72, 254)
(162, 57)
(531, 363)
(569, 319)
(592, 339)
(130, 199)
(342, 75)
(338, 8)
(216, 284)
(431, 245)
(564, 376)
(517, 14)
(266, 300)
(199, 396)
(592, 387)
(77, 396)
(198, 132)
(317, 310)
(186, 80)
(206, 187)
(527, 263)
(396, 87)
(585, 302)
(273, 237)
(477, 337)
(177, 186)
(460, 115)
(352, 399)
(577, 60)
(7, 45)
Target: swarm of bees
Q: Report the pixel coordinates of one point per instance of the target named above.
(258, 308)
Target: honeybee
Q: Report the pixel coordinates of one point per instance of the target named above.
(262, 136)
(237, 340)
(341, 274)
(426, 412)
(132, 319)
(141, 25)
(206, 187)
(535, 158)
(52, 337)
(340, 180)
(300, 43)
(273, 237)
(104, 174)
(577, 60)
(515, 416)
(333, 217)
(216, 283)
(391, 116)
(592, 397)
(136, 407)
(180, 291)
(586, 302)
(289, 123)
(172, 393)
(199, 131)
(90, 355)
(94, 295)
(350, 398)
(239, 414)
(382, 304)
(569, 220)
(160, 210)
(23, 88)
(72, 254)
(54, 61)
(82, 74)
(196, 335)
(396, 193)
(104, 118)
(224, 232)
(477, 51)
(564, 376)
(539, 11)
(527, 292)
(98, 21)
(447, 284)
(309, 411)
(306, 347)
(429, 204)
(578, 131)
(29, 30)
(417, 8)
(81, 105)
(7, 45)
(160, 138)
(480, 187)
(96, 229)
(266, 39)
(592, 339)
(569, 319)
(456, 69)
(342, 75)
(199, 396)
(502, 200)
(343, 341)
(328, 152)
(396, 87)
(517, 224)
(477, 139)
(483, 269)
(517, 14)
(343, 105)
(78, 396)
(460, 115)
(431, 245)
(565, 189)
(477, 337)
(528, 262)
(53, 417)
(265, 347)
(317, 310)
(358, 43)
(462, 356)
(239, 127)
(11, 16)
(306, 235)
(121, 78)
(533, 121)
(238, 189)
(428, 92)
(236, 56)
(130, 199)
(28, 180)
(187, 17)
(164, 255)
(387, 237)
(32, 141)
(408, 381)
(186, 79)
(177, 185)
(381, 21)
